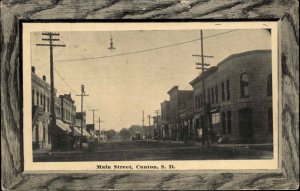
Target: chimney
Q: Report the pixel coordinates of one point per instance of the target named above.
(33, 69)
(44, 77)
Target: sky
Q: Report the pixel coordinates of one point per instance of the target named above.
(121, 87)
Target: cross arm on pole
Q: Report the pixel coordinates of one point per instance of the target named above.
(43, 44)
(200, 64)
(198, 55)
(83, 95)
(50, 33)
(48, 39)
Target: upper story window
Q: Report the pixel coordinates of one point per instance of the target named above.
(228, 89)
(223, 91)
(208, 96)
(196, 104)
(212, 95)
(37, 98)
(217, 94)
(269, 85)
(244, 82)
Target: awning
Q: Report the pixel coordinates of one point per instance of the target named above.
(77, 132)
(63, 126)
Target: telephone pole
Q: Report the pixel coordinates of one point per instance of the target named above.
(99, 121)
(93, 110)
(149, 116)
(158, 130)
(82, 95)
(206, 109)
(50, 39)
(143, 118)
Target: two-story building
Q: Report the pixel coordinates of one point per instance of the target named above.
(41, 97)
(238, 96)
(177, 99)
(165, 119)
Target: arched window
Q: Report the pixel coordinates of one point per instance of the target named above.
(244, 81)
(228, 89)
(37, 98)
(269, 85)
(217, 94)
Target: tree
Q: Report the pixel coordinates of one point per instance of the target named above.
(110, 134)
(125, 134)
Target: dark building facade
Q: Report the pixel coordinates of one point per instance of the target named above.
(237, 95)
(165, 119)
(177, 99)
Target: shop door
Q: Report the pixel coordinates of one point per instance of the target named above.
(245, 125)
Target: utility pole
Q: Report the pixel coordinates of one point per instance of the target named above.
(149, 116)
(143, 118)
(158, 130)
(99, 121)
(93, 110)
(206, 109)
(82, 95)
(50, 44)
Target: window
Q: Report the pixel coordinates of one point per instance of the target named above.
(44, 102)
(37, 98)
(223, 123)
(41, 97)
(223, 92)
(196, 104)
(201, 100)
(270, 119)
(198, 100)
(269, 85)
(48, 105)
(228, 90)
(212, 95)
(244, 81)
(208, 96)
(215, 118)
(228, 122)
(216, 92)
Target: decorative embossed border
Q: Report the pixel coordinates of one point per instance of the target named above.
(12, 11)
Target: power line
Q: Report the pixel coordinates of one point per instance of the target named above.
(62, 78)
(146, 50)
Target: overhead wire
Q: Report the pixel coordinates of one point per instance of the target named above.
(146, 50)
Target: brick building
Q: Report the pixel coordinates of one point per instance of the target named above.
(41, 136)
(68, 109)
(237, 94)
(165, 119)
(41, 119)
(177, 99)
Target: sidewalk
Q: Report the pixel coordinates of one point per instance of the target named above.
(215, 144)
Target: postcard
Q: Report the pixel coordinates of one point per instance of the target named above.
(150, 96)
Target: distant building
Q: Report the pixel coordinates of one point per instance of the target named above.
(165, 120)
(177, 98)
(237, 94)
(90, 128)
(68, 109)
(80, 116)
(157, 131)
(186, 115)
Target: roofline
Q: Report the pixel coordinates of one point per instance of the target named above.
(251, 52)
(172, 89)
(247, 53)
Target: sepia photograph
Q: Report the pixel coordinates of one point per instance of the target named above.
(155, 93)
